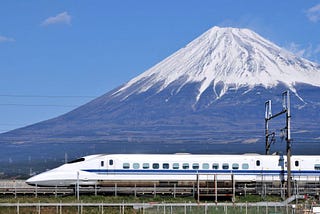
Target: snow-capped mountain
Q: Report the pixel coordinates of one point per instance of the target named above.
(211, 92)
(224, 58)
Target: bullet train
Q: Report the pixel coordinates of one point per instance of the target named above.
(126, 169)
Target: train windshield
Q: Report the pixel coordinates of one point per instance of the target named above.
(76, 161)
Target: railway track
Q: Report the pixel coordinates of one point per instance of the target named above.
(19, 187)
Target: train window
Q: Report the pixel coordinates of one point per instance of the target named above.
(258, 163)
(235, 166)
(110, 162)
(317, 166)
(126, 165)
(296, 163)
(155, 166)
(135, 165)
(165, 166)
(195, 166)
(145, 165)
(77, 160)
(175, 166)
(215, 166)
(185, 166)
(102, 163)
(245, 166)
(225, 166)
(205, 166)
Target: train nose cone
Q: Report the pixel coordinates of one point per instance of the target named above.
(31, 181)
(42, 179)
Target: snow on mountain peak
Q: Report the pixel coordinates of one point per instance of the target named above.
(228, 58)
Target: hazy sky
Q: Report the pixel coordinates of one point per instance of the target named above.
(57, 55)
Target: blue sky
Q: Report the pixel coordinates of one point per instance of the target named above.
(57, 55)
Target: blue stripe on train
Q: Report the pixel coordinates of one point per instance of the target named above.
(191, 172)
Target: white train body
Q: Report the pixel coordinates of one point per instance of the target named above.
(183, 168)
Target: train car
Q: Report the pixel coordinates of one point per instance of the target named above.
(180, 169)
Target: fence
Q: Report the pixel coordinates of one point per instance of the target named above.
(151, 208)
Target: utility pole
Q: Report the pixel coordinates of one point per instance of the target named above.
(288, 140)
(269, 116)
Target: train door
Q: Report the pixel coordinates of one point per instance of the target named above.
(296, 167)
(110, 166)
(102, 166)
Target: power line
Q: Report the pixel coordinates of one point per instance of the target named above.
(12, 124)
(46, 96)
(42, 96)
(38, 105)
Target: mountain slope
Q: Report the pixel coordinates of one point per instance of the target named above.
(210, 92)
(225, 58)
